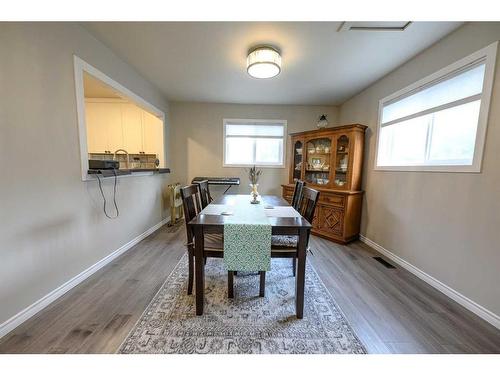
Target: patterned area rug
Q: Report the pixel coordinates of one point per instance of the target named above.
(245, 324)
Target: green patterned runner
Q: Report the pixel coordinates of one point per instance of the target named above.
(247, 238)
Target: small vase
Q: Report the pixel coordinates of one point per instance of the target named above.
(255, 194)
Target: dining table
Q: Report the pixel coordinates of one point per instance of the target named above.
(213, 222)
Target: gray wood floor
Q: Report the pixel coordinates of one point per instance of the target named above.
(391, 310)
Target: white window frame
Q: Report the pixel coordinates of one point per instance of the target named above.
(81, 66)
(488, 55)
(254, 122)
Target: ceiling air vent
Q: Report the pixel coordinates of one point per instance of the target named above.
(374, 26)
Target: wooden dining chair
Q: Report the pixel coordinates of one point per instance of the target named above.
(204, 193)
(213, 243)
(286, 246)
(296, 199)
(297, 194)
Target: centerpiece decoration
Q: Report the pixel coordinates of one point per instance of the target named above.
(253, 176)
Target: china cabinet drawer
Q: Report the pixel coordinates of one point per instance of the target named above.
(336, 200)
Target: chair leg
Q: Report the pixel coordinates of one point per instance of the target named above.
(190, 272)
(235, 273)
(262, 289)
(230, 284)
(294, 265)
(205, 261)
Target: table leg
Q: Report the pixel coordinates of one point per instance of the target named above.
(262, 286)
(199, 265)
(301, 273)
(230, 284)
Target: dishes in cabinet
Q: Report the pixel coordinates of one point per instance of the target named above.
(299, 151)
(317, 163)
(343, 164)
(322, 181)
(339, 182)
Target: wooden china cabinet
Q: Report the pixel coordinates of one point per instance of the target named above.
(330, 160)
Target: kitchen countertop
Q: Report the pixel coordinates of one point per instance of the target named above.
(123, 172)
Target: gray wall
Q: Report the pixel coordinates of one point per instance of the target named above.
(197, 142)
(51, 223)
(446, 224)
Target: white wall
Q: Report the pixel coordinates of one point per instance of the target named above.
(446, 224)
(51, 223)
(196, 141)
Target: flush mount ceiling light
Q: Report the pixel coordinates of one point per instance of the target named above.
(263, 62)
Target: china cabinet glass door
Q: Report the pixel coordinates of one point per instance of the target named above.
(298, 149)
(317, 168)
(342, 167)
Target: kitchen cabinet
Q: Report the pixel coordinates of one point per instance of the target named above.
(132, 128)
(96, 134)
(153, 135)
(116, 124)
(104, 127)
(114, 129)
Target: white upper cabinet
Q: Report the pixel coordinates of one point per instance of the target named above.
(104, 127)
(153, 136)
(114, 128)
(132, 128)
(114, 124)
(96, 133)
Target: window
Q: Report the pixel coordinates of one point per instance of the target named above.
(439, 123)
(254, 142)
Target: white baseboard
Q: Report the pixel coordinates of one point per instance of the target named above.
(469, 304)
(43, 302)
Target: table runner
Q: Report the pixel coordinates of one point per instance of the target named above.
(247, 238)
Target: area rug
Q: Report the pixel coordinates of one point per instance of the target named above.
(246, 324)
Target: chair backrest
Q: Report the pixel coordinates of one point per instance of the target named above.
(297, 194)
(308, 202)
(204, 193)
(192, 206)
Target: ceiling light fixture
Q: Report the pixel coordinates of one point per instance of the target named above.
(263, 62)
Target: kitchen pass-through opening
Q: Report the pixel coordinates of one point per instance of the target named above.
(117, 128)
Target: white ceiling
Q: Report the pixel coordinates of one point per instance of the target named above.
(206, 61)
